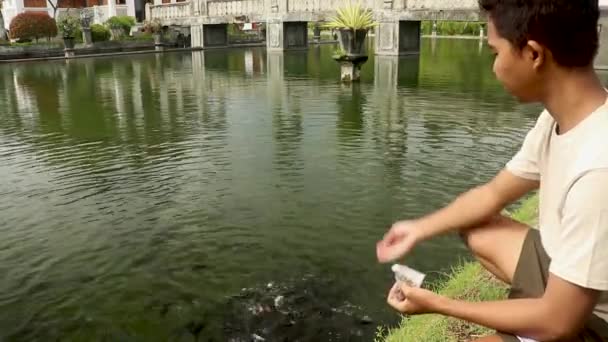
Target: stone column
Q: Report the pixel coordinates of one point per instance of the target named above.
(482, 32)
(86, 36)
(196, 36)
(434, 33)
(148, 11)
(274, 35)
(317, 33)
(20, 7)
(387, 38)
(395, 37)
(131, 8)
(286, 35)
(350, 68)
(111, 8)
(601, 60)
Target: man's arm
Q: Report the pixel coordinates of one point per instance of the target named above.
(560, 314)
(477, 205)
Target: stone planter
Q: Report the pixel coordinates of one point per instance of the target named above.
(86, 36)
(158, 39)
(350, 67)
(352, 42)
(68, 43)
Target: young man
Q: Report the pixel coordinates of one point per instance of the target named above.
(559, 273)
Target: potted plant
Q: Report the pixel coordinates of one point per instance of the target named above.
(155, 28)
(68, 26)
(352, 23)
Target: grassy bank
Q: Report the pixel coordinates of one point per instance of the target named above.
(468, 281)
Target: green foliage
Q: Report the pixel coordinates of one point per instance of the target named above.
(452, 28)
(69, 26)
(123, 22)
(33, 25)
(99, 33)
(144, 37)
(352, 16)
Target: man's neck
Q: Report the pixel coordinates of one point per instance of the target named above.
(572, 96)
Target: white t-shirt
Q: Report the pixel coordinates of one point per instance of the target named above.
(573, 208)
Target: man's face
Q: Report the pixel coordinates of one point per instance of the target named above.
(513, 68)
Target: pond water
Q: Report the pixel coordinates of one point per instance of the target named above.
(229, 194)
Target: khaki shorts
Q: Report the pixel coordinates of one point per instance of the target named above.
(530, 280)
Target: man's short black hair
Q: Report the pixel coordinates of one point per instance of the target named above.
(568, 28)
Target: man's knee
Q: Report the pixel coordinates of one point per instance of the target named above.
(479, 237)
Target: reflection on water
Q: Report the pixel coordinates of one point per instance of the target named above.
(141, 195)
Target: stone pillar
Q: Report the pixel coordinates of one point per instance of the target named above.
(215, 35)
(111, 8)
(317, 33)
(196, 36)
(274, 35)
(131, 8)
(286, 35)
(350, 68)
(19, 6)
(148, 11)
(601, 60)
(434, 33)
(482, 33)
(86, 36)
(395, 38)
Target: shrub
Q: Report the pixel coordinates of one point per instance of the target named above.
(33, 25)
(123, 22)
(153, 26)
(99, 33)
(69, 26)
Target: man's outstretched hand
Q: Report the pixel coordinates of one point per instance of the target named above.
(399, 241)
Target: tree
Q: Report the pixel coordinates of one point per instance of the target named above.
(2, 27)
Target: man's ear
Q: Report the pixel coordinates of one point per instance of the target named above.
(535, 53)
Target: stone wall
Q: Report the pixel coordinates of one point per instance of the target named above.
(42, 51)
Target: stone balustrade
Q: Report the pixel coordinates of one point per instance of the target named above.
(170, 11)
(444, 5)
(235, 7)
(323, 5)
(261, 8)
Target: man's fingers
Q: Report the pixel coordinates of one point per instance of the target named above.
(392, 252)
(404, 287)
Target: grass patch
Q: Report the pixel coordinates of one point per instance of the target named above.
(470, 282)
